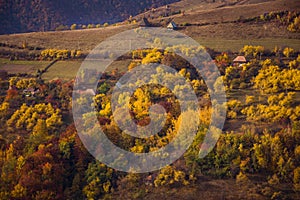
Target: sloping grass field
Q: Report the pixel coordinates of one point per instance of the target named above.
(22, 66)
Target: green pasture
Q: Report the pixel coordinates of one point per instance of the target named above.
(220, 44)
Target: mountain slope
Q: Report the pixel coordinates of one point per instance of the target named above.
(214, 25)
(42, 15)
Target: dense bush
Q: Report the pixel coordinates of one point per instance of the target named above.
(60, 54)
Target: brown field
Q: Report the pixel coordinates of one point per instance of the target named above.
(19, 66)
(220, 26)
(226, 12)
(11, 68)
(76, 39)
(205, 188)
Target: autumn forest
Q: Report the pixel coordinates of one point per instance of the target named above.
(46, 99)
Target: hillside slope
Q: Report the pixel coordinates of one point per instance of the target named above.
(224, 19)
(27, 16)
(215, 24)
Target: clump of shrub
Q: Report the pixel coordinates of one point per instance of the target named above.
(60, 54)
(90, 26)
(186, 24)
(62, 28)
(73, 27)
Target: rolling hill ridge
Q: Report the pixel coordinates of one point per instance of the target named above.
(28, 16)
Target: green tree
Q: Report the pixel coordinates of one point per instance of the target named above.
(90, 26)
(296, 179)
(73, 27)
(288, 51)
(99, 180)
(154, 56)
(170, 176)
(39, 136)
(19, 192)
(8, 175)
(61, 28)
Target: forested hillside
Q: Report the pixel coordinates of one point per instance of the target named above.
(256, 156)
(26, 16)
(55, 98)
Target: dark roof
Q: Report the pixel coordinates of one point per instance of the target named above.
(145, 22)
(172, 25)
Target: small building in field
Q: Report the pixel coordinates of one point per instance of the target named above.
(172, 26)
(145, 22)
(149, 180)
(239, 60)
(30, 92)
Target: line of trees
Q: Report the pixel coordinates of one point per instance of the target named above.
(60, 54)
(80, 26)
